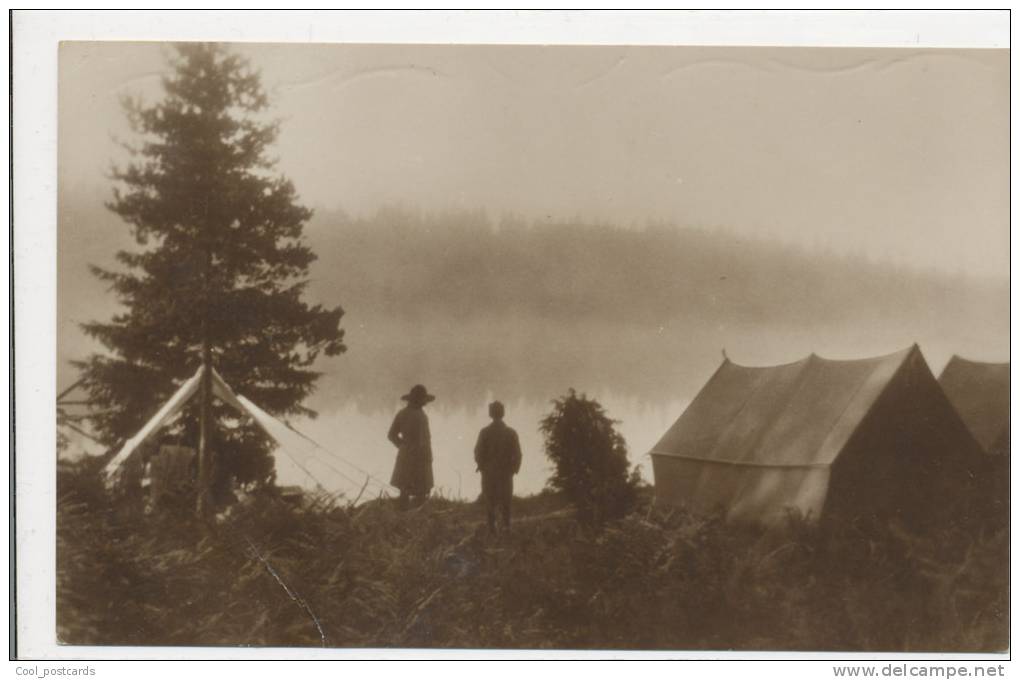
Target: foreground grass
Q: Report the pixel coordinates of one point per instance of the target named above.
(280, 575)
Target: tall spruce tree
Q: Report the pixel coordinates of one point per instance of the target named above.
(222, 261)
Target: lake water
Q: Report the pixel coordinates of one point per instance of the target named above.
(643, 376)
(360, 438)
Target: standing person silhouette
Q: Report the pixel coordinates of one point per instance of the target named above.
(498, 455)
(412, 472)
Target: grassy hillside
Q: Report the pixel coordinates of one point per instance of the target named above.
(276, 574)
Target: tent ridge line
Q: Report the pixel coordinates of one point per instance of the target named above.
(745, 463)
(964, 360)
(827, 360)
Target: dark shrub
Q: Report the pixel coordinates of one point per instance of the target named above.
(590, 458)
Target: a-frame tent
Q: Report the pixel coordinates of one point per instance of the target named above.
(349, 482)
(822, 438)
(980, 393)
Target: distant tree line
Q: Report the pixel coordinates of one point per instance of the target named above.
(462, 264)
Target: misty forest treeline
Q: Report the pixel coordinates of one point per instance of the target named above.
(531, 309)
(462, 265)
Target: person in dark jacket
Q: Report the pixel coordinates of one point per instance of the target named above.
(412, 472)
(498, 455)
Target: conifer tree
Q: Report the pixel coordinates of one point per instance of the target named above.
(221, 260)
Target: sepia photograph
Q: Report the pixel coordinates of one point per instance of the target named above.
(532, 347)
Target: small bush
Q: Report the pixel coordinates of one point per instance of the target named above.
(590, 458)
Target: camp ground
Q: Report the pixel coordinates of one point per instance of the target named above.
(979, 392)
(819, 437)
(815, 437)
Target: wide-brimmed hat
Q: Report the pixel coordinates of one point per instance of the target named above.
(418, 395)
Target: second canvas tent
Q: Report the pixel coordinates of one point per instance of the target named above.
(980, 393)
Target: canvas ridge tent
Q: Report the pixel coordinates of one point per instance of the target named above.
(822, 438)
(305, 453)
(980, 393)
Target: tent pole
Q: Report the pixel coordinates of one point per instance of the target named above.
(205, 395)
(204, 416)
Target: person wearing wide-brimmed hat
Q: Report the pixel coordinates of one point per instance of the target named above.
(412, 472)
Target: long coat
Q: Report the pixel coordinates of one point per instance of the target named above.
(498, 455)
(412, 473)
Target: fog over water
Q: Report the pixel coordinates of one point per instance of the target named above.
(635, 319)
(513, 222)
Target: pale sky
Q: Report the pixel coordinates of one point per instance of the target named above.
(899, 154)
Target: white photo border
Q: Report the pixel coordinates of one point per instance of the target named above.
(35, 36)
